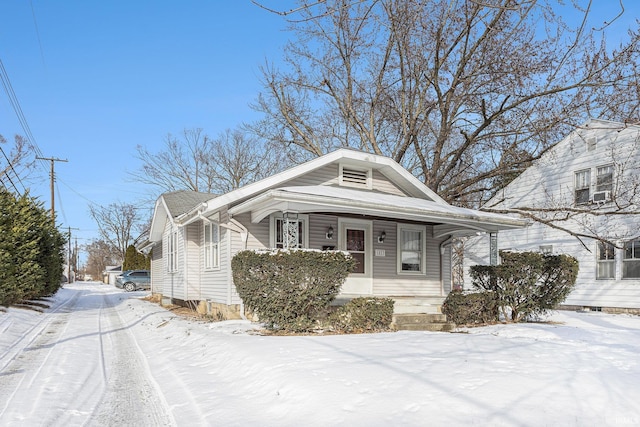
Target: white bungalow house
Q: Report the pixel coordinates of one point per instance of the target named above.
(398, 229)
(588, 184)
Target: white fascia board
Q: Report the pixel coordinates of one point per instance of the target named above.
(159, 220)
(279, 200)
(382, 163)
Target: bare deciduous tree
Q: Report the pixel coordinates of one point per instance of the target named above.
(197, 162)
(14, 160)
(101, 255)
(465, 94)
(117, 222)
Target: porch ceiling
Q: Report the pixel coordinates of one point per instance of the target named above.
(328, 199)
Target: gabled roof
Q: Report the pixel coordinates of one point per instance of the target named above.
(172, 205)
(566, 155)
(387, 166)
(269, 194)
(180, 202)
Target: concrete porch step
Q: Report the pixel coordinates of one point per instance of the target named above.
(422, 322)
(417, 305)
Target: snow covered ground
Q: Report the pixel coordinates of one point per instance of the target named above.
(100, 356)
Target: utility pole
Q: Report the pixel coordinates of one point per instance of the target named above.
(52, 160)
(69, 256)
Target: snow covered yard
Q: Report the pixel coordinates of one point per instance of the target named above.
(100, 356)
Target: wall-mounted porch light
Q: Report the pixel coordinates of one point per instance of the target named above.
(381, 237)
(330, 232)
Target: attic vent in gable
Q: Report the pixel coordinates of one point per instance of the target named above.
(355, 177)
(591, 143)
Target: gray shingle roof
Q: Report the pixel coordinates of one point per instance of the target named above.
(179, 202)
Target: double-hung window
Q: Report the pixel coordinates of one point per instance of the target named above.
(606, 262)
(211, 245)
(582, 186)
(411, 249)
(631, 260)
(172, 251)
(604, 178)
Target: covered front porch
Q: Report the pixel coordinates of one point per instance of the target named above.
(402, 244)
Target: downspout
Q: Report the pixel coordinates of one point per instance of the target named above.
(244, 237)
(444, 243)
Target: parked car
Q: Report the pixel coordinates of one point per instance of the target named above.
(132, 280)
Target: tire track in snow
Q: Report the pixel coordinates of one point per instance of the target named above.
(27, 337)
(133, 397)
(19, 366)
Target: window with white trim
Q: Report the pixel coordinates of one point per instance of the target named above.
(172, 251)
(211, 245)
(289, 232)
(606, 262)
(604, 178)
(631, 260)
(583, 186)
(411, 248)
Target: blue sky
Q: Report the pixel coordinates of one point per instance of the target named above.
(96, 79)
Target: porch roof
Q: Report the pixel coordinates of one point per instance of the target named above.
(447, 219)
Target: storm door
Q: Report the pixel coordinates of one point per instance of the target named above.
(355, 238)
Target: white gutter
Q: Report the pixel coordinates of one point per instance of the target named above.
(192, 216)
(330, 203)
(244, 236)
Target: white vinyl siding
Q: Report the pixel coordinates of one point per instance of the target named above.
(549, 183)
(330, 175)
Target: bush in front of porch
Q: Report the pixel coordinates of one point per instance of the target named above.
(527, 284)
(290, 289)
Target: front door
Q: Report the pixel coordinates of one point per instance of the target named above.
(355, 238)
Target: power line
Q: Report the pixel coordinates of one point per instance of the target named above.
(7, 175)
(15, 104)
(14, 172)
(35, 24)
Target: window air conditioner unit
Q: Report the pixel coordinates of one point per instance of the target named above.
(601, 196)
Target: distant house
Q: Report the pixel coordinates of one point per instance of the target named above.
(399, 231)
(110, 273)
(588, 183)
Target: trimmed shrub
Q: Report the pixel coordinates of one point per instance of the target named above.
(364, 314)
(527, 284)
(477, 308)
(289, 289)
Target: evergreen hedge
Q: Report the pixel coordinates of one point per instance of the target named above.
(31, 250)
(290, 289)
(477, 308)
(364, 314)
(134, 260)
(527, 284)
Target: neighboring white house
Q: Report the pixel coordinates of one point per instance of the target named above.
(587, 183)
(398, 229)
